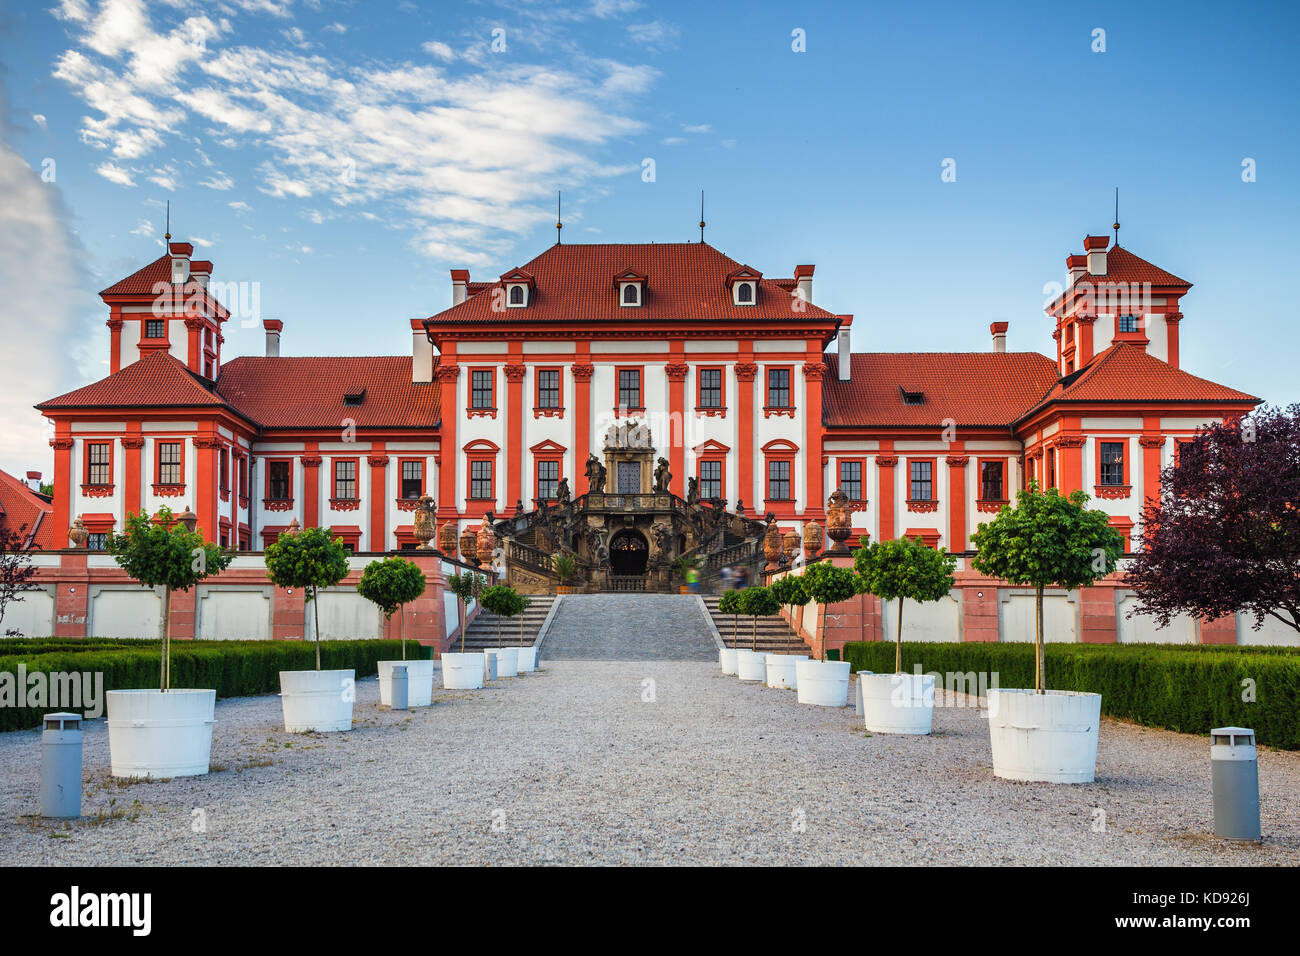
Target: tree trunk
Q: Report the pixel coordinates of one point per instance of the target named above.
(460, 616)
(1040, 678)
(735, 627)
(165, 665)
(499, 644)
(753, 634)
(315, 614)
(521, 630)
(898, 643)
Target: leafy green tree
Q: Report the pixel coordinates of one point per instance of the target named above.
(1046, 540)
(790, 591)
(903, 569)
(310, 559)
(162, 552)
(730, 603)
(522, 604)
(758, 602)
(826, 584)
(467, 586)
(391, 583)
(503, 601)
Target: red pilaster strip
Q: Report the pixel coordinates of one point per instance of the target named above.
(746, 371)
(957, 502)
(813, 371)
(378, 498)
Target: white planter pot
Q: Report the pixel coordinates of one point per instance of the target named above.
(897, 703)
(317, 700)
(527, 659)
(419, 682)
(824, 683)
(160, 735)
(751, 665)
(727, 658)
(1050, 737)
(462, 671)
(782, 672)
(507, 659)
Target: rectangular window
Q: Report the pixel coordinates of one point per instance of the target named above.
(778, 481)
(1112, 462)
(412, 479)
(96, 541)
(345, 479)
(629, 388)
(169, 463)
(548, 388)
(155, 328)
(778, 388)
(710, 388)
(480, 480)
(223, 470)
(277, 481)
(922, 481)
(710, 479)
(99, 457)
(851, 479)
(991, 481)
(243, 475)
(1128, 323)
(548, 479)
(481, 389)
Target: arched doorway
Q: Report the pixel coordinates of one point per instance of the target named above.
(628, 552)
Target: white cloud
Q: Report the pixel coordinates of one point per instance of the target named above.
(39, 120)
(164, 176)
(218, 181)
(657, 35)
(240, 206)
(335, 27)
(144, 228)
(437, 48)
(700, 128)
(115, 174)
(673, 140)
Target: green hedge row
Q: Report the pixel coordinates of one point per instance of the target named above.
(1188, 689)
(234, 668)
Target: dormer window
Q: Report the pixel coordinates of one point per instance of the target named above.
(744, 293)
(517, 295)
(912, 398)
(518, 287)
(743, 284)
(354, 396)
(631, 288)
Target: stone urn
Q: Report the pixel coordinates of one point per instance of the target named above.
(424, 523)
(812, 539)
(790, 544)
(447, 539)
(78, 534)
(839, 520)
(772, 546)
(469, 546)
(487, 543)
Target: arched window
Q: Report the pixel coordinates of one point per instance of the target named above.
(630, 296)
(516, 295)
(745, 293)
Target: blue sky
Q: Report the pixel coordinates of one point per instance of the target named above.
(342, 156)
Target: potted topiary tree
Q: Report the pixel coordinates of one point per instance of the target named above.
(730, 603)
(312, 559)
(566, 568)
(825, 682)
(527, 653)
(782, 669)
(503, 601)
(901, 570)
(390, 584)
(165, 732)
(1046, 540)
(756, 602)
(463, 671)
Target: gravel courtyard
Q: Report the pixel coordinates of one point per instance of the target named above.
(655, 762)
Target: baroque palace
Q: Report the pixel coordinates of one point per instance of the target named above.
(628, 405)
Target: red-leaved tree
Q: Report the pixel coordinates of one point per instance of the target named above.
(1225, 534)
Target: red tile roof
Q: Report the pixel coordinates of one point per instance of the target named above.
(157, 379)
(687, 280)
(20, 506)
(1124, 266)
(972, 389)
(307, 391)
(1126, 374)
(144, 282)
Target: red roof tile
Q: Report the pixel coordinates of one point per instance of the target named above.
(1125, 373)
(687, 280)
(157, 379)
(144, 282)
(1124, 266)
(20, 506)
(972, 389)
(307, 391)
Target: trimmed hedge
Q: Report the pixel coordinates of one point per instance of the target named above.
(1190, 689)
(234, 668)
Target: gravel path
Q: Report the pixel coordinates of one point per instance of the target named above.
(586, 762)
(629, 627)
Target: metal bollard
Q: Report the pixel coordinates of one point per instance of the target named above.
(61, 766)
(861, 711)
(489, 666)
(1234, 770)
(400, 688)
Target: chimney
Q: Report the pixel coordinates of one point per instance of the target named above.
(459, 286)
(273, 328)
(1095, 247)
(180, 253)
(201, 271)
(34, 480)
(1078, 266)
(842, 341)
(803, 281)
(421, 353)
(999, 330)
